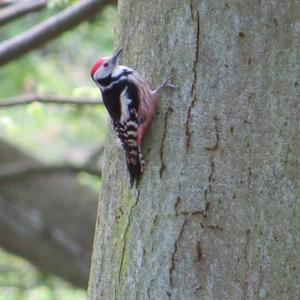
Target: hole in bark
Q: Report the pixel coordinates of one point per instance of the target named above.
(241, 34)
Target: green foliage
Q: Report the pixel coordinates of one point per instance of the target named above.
(59, 3)
(51, 132)
(19, 280)
(58, 132)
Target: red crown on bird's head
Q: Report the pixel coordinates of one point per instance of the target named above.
(97, 64)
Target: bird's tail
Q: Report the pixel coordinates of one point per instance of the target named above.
(135, 164)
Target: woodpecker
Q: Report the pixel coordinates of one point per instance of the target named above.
(131, 105)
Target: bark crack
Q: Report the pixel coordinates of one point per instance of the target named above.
(162, 165)
(173, 260)
(247, 244)
(199, 251)
(211, 175)
(215, 147)
(176, 205)
(188, 131)
(125, 236)
(195, 213)
(215, 227)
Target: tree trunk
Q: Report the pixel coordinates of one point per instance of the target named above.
(47, 217)
(217, 214)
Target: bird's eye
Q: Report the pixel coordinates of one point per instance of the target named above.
(105, 65)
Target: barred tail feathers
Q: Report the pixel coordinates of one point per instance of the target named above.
(135, 164)
(128, 135)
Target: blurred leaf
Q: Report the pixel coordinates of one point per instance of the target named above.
(20, 280)
(53, 132)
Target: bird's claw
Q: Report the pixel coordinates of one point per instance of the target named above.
(167, 83)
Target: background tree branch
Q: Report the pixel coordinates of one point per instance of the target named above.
(17, 10)
(18, 169)
(7, 2)
(47, 217)
(50, 29)
(27, 99)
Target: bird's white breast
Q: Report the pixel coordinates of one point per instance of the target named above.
(125, 102)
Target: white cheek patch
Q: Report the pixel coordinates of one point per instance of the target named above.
(101, 73)
(117, 71)
(98, 74)
(125, 102)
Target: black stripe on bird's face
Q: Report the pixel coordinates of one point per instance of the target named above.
(106, 81)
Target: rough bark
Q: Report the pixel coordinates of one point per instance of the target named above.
(217, 213)
(47, 218)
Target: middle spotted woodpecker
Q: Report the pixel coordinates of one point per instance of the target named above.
(131, 105)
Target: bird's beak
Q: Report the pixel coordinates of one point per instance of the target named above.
(116, 56)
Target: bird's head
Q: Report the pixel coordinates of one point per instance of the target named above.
(105, 66)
